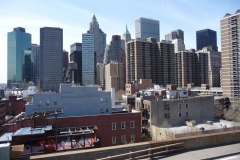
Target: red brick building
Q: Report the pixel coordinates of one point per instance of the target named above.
(113, 129)
(14, 105)
(2, 115)
(142, 84)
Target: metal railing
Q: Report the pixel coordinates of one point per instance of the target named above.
(149, 150)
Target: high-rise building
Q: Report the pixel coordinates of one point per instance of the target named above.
(176, 34)
(114, 76)
(114, 52)
(51, 53)
(65, 59)
(101, 74)
(99, 39)
(76, 56)
(185, 68)
(126, 36)
(230, 43)
(27, 65)
(141, 59)
(18, 41)
(88, 59)
(106, 57)
(165, 63)
(214, 65)
(206, 37)
(178, 45)
(36, 62)
(145, 28)
(201, 68)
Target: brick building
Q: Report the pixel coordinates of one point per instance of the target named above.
(2, 115)
(112, 129)
(14, 106)
(142, 84)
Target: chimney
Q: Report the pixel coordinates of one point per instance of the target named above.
(129, 108)
(156, 95)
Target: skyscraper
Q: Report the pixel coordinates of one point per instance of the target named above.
(178, 45)
(145, 28)
(51, 49)
(114, 52)
(176, 34)
(206, 37)
(88, 59)
(99, 39)
(76, 56)
(65, 59)
(230, 41)
(18, 41)
(36, 62)
(27, 65)
(126, 36)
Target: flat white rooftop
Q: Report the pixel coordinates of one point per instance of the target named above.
(6, 137)
(31, 131)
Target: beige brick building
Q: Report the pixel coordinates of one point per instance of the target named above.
(114, 76)
(230, 43)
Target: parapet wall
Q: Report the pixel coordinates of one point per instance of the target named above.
(193, 142)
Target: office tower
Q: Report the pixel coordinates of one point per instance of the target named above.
(201, 68)
(165, 63)
(76, 56)
(51, 53)
(178, 45)
(36, 62)
(106, 57)
(65, 59)
(126, 37)
(141, 59)
(114, 76)
(101, 74)
(214, 65)
(27, 65)
(176, 34)
(18, 41)
(99, 39)
(206, 37)
(114, 52)
(88, 59)
(185, 68)
(230, 41)
(145, 28)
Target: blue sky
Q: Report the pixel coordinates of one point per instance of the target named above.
(112, 15)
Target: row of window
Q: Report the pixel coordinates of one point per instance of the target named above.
(123, 125)
(167, 107)
(123, 139)
(167, 115)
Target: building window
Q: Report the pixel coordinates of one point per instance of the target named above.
(167, 115)
(101, 100)
(106, 110)
(123, 138)
(114, 127)
(132, 137)
(179, 106)
(39, 103)
(166, 107)
(123, 125)
(179, 114)
(186, 105)
(9, 104)
(55, 102)
(186, 114)
(106, 100)
(132, 124)
(47, 103)
(101, 110)
(114, 140)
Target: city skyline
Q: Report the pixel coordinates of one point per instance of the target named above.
(76, 17)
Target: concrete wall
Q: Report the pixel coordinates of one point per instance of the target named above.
(74, 100)
(193, 142)
(199, 108)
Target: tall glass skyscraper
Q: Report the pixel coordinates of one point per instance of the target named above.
(145, 28)
(88, 59)
(206, 37)
(18, 41)
(36, 62)
(51, 53)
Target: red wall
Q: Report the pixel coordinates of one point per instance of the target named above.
(17, 106)
(103, 122)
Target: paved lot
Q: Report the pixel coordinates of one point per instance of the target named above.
(226, 152)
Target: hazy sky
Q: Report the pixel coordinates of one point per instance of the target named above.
(112, 15)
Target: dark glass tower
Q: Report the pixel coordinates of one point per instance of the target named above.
(206, 37)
